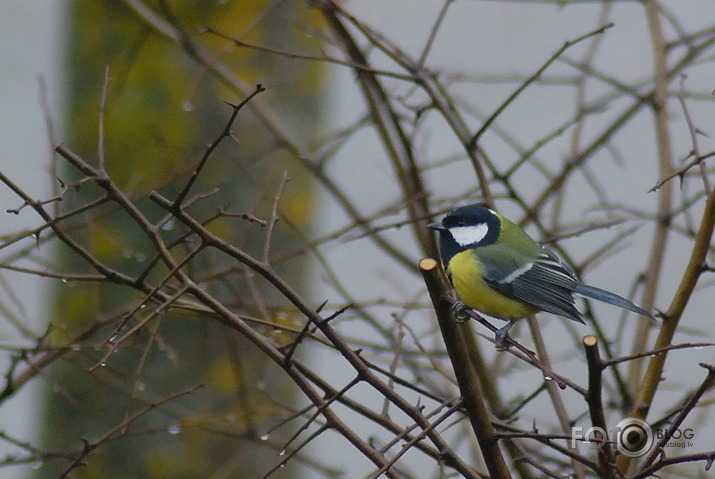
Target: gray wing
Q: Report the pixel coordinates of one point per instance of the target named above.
(548, 285)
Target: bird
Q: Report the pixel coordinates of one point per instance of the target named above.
(497, 269)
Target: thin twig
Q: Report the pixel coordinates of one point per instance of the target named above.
(678, 420)
(693, 135)
(530, 355)
(226, 133)
(697, 160)
(274, 217)
(102, 109)
(554, 393)
(485, 126)
(655, 352)
(433, 32)
(303, 56)
(406, 447)
(88, 447)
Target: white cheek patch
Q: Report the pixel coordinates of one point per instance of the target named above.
(466, 235)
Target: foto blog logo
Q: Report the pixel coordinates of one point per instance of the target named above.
(632, 437)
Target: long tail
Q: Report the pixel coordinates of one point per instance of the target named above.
(610, 298)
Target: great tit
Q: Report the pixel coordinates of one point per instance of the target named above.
(499, 270)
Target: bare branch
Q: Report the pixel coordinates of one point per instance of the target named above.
(226, 133)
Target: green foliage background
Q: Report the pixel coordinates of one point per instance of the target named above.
(162, 109)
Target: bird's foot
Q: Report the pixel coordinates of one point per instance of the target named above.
(502, 335)
(459, 312)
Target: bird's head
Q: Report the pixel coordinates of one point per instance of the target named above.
(466, 227)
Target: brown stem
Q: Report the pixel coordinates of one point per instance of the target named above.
(595, 403)
(438, 287)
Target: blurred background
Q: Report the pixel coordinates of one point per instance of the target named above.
(166, 101)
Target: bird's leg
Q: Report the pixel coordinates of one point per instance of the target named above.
(502, 333)
(459, 311)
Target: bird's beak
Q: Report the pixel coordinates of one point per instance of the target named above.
(437, 225)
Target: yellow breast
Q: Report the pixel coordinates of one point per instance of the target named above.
(466, 274)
